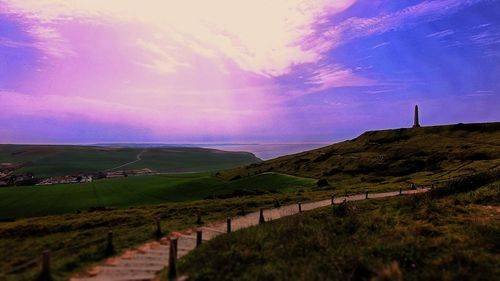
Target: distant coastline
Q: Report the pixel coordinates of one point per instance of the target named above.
(263, 151)
(269, 151)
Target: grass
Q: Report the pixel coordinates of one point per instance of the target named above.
(192, 160)
(31, 201)
(448, 230)
(66, 235)
(58, 160)
(391, 157)
(63, 160)
(454, 237)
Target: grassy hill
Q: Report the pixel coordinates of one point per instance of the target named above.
(31, 201)
(450, 233)
(379, 232)
(55, 160)
(390, 158)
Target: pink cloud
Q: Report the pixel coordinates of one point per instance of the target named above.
(259, 36)
(164, 65)
(336, 76)
(187, 114)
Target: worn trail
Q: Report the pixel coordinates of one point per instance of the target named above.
(145, 261)
(138, 158)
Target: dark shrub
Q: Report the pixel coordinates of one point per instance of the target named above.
(434, 161)
(371, 179)
(324, 156)
(237, 177)
(466, 127)
(322, 183)
(477, 156)
(405, 167)
(301, 160)
(342, 210)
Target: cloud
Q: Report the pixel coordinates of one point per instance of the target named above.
(328, 37)
(479, 26)
(485, 38)
(330, 76)
(162, 61)
(380, 45)
(6, 42)
(190, 113)
(334, 76)
(50, 41)
(189, 67)
(356, 27)
(259, 36)
(441, 34)
(482, 93)
(376, 92)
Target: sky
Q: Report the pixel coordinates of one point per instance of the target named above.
(261, 71)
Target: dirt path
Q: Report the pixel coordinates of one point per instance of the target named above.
(138, 158)
(145, 261)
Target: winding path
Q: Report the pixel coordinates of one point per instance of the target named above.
(145, 261)
(138, 158)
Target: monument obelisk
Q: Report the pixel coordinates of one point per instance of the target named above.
(416, 122)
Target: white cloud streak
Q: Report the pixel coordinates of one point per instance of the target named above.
(260, 36)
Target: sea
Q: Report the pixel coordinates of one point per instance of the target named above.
(262, 151)
(267, 151)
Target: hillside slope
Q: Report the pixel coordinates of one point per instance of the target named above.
(450, 233)
(58, 160)
(420, 155)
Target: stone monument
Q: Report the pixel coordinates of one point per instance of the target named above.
(416, 122)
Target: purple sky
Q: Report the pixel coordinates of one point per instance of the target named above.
(242, 71)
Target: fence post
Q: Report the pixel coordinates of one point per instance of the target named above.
(172, 258)
(277, 203)
(400, 190)
(228, 225)
(300, 207)
(45, 274)
(432, 186)
(261, 216)
(198, 218)
(110, 249)
(158, 233)
(366, 195)
(198, 237)
(333, 199)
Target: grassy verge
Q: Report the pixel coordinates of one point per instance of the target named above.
(425, 237)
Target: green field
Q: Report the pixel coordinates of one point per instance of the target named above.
(192, 160)
(137, 191)
(59, 160)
